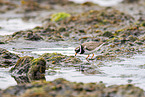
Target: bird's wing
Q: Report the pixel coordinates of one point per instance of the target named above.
(91, 45)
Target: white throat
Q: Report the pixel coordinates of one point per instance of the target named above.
(80, 49)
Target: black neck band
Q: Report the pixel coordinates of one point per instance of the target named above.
(82, 50)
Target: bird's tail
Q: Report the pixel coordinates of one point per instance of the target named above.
(101, 45)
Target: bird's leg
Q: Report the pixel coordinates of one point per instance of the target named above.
(92, 56)
(87, 60)
(87, 57)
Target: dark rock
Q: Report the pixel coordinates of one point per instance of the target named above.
(54, 59)
(22, 66)
(106, 56)
(82, 31)
(27, 69)
(66, 34)
(130, 1)
(17, 34)
(139, 42)
(88, 4)
(21, 79)
(132, 38)
(6, 6)
(30, 5)
(63, 88)
(7, 55)
(124, 91)
(63, 2)
(28, 35)
(1, 42)
(37, 70)
(33, 36)
(62, 29)
(7, 59)
(108, 34)
(143, 24)
(2, 51)
(15, 90)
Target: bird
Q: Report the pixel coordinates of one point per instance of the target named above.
(88, 48)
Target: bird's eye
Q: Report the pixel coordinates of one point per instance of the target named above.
(77, 50)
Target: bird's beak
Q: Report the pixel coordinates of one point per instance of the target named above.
(75, 54)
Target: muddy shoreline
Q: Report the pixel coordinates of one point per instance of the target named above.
(121, 26)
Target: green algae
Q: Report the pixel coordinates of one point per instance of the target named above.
(20, 63)
(35, 92)
(59, 16)
(37, 69)
(143, 24)
(55, 58)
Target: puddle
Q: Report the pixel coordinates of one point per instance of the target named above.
(128, 69)
(8, 27)
(64, 51)
(100, 2)
(5, 78)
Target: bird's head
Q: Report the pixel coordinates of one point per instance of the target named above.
(79, 50)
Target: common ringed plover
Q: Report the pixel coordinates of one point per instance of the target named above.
(88, 48)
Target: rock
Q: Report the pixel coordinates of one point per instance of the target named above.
(107, 34)
(63, 2)
(57, 59)
(132, 38)
(33, 36)
(63, 88)
(6, 6)
(18, 90)
(17, 34)
(21, 79)
(37, 69)
(139, 42)
(28, 35)
(128, 90)
(59, 16)
(106, 56)
(1, 42)
(27, 69)
(2, 51)
(143, 24)
(130, 1)
(29, 5)
(62, 29)
(7, 59)
(55, 38)
(88, 4)
(142, 38)
(66, 34)
(142, 66)
(22, 66)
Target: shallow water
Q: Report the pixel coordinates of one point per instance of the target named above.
(10, 26)
(100, 2)
(113, 72)
(118, 72)
(5, 78)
